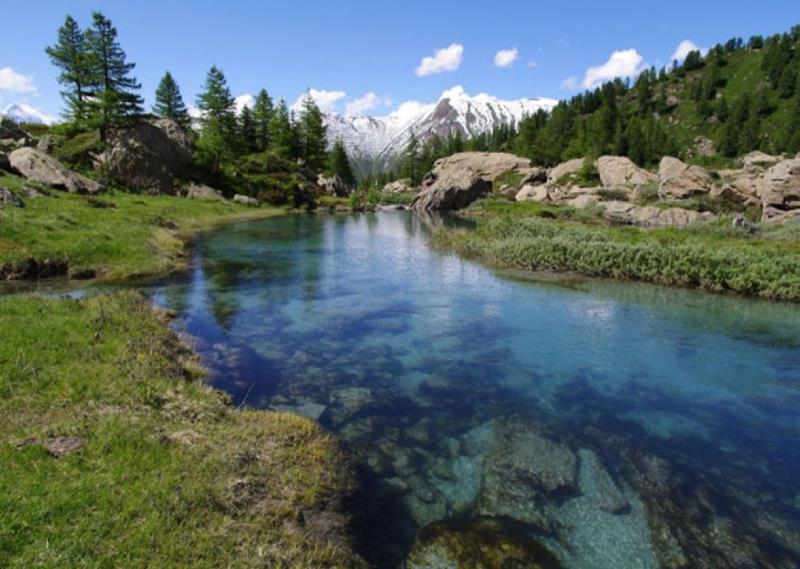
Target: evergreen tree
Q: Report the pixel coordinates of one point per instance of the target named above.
(339, 164)
(262, 114)
(313, 135)
(410, 162)
(247, 131)
(169, 102)
(790, 136)
(281, 135)
(69, 55)
(218, 120)
(114, 96)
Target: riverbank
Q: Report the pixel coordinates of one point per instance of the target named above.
(713, 256)
(113, 236)
(115, 452)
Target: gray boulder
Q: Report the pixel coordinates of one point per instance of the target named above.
(203, 192)
(533, 193)
(39, 167)
(148, 156)
(458, 180)
(7, 199)
(397, 187)
(333, 186)
(678, 180)
(759, 161)
(11, 135)
(569, 167)
(780, 191)
(245, 200)
(621, 171)
(625, 213)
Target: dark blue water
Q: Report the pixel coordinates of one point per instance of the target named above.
(616, 425)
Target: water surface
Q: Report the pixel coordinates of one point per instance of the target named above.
(616, 425)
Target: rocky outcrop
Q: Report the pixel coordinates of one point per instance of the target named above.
(203, 192)
(678, 180)
(11, 135)
(7, 199)
(458, 180)
(759, 161)
(245, 200)
(625, 213)
(621, 171)
(532, 193)
(39, 167)
(333, 186)
(780, 191)
(570, 167)
(148, 156)
(397, 187)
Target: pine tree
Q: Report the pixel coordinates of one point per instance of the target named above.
(218, 120)
(169, 102)
(313, 134)
(69, 55)
(247, 131)
(410, 162)
(790, 136)
(339, 164)
(262, 114)
(281, 136)
(114, 95)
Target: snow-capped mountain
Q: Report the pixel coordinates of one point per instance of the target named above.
(24, 113)
(375, 141)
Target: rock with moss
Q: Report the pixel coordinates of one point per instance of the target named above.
(38, 167)
(203, 192)
(625, 213)
(533, 193)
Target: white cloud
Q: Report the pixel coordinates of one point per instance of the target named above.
(683, 50)
(569, 84)
(366, 103)
(15, 82)
(623, 63)
(447, 59)
(506, 57)
(242, 101)
(23, 112)
(325, 100)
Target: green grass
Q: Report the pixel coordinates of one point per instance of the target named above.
(713, 256)
(170, 474)
(512, 179)
(133, 235)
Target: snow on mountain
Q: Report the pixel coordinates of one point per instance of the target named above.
(24, 113)
(376, 141)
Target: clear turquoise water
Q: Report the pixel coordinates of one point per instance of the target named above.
(671, 419)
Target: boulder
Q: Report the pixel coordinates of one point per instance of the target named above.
(397, 187)
(203, 192)
(534, 175)
(678, 180)
(11, 135)
(40, 167)
(4, 163)
(570, 167)
(533, 193)
(458, 180)
(584, 200)
(333, 186)
(621, 171)
(625, 213)
(759, 161)
(780, 191)
(7, 199)
(245, 200)
(148, 156)
(46, 144)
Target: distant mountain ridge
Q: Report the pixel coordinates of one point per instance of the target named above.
(24, 113)
(374, 142)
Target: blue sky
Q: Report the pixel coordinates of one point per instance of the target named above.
(367, 56)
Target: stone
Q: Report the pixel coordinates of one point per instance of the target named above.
(148, 156)
(7, 199)
(596, 483)
(203, 192)
(621, 171)
(759, 161)
(245, 200)
(391, 207)
(704, 146)
(534, 175)
(29, 192)
(59, 446)
(532, 193)
(780, 191)
(397, 187)
(10, 130)
(741, 222)
(678, 180)
(39, 167)
(334, 186)
(458, 180)
(46, 144)
(4, 163)
(570, 167)
(584, 201)
(625, 213)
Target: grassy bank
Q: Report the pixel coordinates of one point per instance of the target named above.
(167, 474)
(712, 256)
(113, 236)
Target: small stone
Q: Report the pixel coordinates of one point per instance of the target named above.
(7, 199)
(59, 446)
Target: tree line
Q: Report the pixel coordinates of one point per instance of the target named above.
(100, 92)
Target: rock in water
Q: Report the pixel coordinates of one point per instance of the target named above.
(458, 180)
(780, 191)
(621, 171)
(678, 180)
(39, 167)
(148, 156)
(203, 192)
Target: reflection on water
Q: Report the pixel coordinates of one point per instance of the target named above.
(592, 426)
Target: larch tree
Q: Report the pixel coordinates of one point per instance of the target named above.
(339, 164)
(169, 102)
(262, 115)
(313, 133)
(218, 120)
(247, 131)
(281, 133)
(69, 55)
